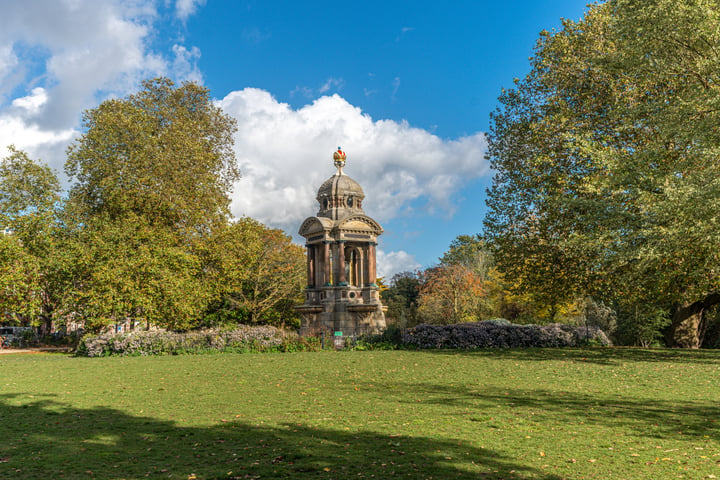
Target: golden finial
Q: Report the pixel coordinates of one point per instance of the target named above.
(339, 158)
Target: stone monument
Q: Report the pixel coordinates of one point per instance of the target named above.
(341, 294)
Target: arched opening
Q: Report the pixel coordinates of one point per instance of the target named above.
(352, 266)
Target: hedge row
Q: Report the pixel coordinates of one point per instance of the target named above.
(487, 334)
(492, 334)
(242, 339)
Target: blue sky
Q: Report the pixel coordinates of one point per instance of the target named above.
(405, 87)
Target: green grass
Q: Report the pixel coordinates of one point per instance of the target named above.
(515, 414)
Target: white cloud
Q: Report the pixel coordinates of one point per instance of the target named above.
(48, 145)
(185, 63)
(185, 8)
(286, 154)
(332, 83)
(390, 263)
(58, 58)
(32, 103)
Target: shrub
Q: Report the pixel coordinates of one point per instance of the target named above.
(241, 339)
(490, 334)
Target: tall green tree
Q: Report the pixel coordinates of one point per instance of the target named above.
(30, 209)
(29, 200)
(153, 172)
(20, 298)
(606, 158)
(164, 153)
(401, 298)
(469, 251)
(257, 270)
(137, 272)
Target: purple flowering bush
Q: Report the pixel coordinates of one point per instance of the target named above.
(243, 338)
(499, 335)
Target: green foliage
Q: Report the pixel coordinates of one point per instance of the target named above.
(143, 237)
(470, 251)
(30, 207)
(19, 282)
(256, 270)
(223, 314)
(642, 326)
(164, 154)
(29, 200)
(401, 298)
(388, 339)
(136, 270)
(606, 166)
(153, 172)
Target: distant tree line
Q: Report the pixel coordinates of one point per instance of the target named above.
(143, 236)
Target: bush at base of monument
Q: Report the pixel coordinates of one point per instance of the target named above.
(244, 339)
(493, 334)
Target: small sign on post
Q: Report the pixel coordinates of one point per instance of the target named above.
(339, 341)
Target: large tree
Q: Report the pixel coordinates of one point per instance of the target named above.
(450, 294)
(19, 282)
(30, 208)
(256, 270)
(138, 272)
(153, 174)
(164, 153)
(401, 298)
(606, 156)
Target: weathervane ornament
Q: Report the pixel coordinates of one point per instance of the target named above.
(339, 158)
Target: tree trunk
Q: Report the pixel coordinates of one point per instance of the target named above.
(685, 331)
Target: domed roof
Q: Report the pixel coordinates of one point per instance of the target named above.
(340, 195)
(340, 185)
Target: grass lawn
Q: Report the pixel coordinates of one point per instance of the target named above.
(508, 414)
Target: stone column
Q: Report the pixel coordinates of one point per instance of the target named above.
(326, 262)
(310, 266)
(372, 268)
(365, 265)
(341, 263)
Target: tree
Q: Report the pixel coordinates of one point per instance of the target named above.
(153, 172)
(450, 294)
(469, 251)
(20, 299)
(30, 209)
(164, 153)
(256, 269)
(29, 199)
(472, 253)
(138, 272)
(606, 158)
(401, 298)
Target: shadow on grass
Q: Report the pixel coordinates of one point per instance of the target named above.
(599, 355)
(662, 419)
(45, 438)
